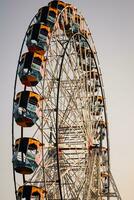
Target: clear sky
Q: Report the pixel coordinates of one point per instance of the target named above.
(112, 26)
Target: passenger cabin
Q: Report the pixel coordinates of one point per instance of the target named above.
(85, 33)
(73, 26)
(47, 15)
(100, 124)
(27, 154)
(100, 127)
(83, 49)
(92, 74)
(104, 174)
(98, 99)
(77, 23)
(104, 152)
(59, 5)
(38, 38)
(68, 17)
(84, 55)
(31, 68)
(97, 105)
(26, 108)
(105, 187)
(29, 192)
(92, 86)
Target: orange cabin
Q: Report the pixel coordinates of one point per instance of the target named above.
(47, 15)
(27, 155)
(31, 68)
(26, 106)
(38, 38)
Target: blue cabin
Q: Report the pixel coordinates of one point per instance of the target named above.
(26, 106)
(26, 154)
(31, 68)
(47, 16)
(38, 37)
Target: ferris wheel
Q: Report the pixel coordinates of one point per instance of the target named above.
(60, 140)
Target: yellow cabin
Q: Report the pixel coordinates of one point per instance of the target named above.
(27, 155)
(47, 15)
(31, 68)
(38, 38)
(26, 106)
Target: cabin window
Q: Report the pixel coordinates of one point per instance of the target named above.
(25, 70)
(17, 100)
(16, 147)
(78, 20)
(35, 196)
(52, 14)
(39, 13)
(23, 100)
(21, 110)
(31, 154)
(33, 100)
(21, 155)
(22, 61)
(31, 106)
(32, 151)
(70, 10)
(37, 61)
(29, 32)
(60, 7)
(44, 32)
(54, 4)
(20, 198)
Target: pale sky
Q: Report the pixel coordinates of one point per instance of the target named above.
(112, 25)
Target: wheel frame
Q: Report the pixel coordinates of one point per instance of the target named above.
(57, 110)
